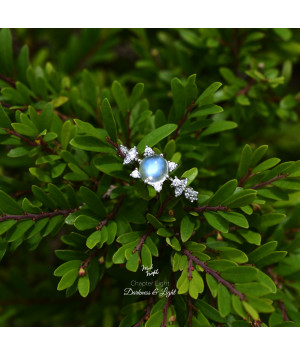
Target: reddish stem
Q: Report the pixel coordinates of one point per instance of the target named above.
(39, 216)
(8, 80)
(199, 209)
(148, 311)
(119, 152)
(214, 273)
(151, 229)
(262, 184)
(185, 117)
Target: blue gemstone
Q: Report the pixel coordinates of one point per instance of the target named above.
(154, 169)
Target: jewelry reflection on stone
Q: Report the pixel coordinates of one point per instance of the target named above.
(154, 169)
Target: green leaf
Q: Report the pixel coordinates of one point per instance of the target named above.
(224, 300)
(174, 243)
(119, 255)
(250, 310)
(216, 221)
(65, 134)
(84, 222)
(6, 225)
(183, 282)
(241, 198)
(146, 256)
(209, 311)
(262, 251)
(152, 247)
(155, 319)
(120, 97)
(190, 89)
(240, 274)
(23, 63)
(266, 281)
(224, 192)
(238, 306)
(41, 175)
(269, 163)
(93, 202)
(24, 129)
(93, 239)
(208, 91)
(129, 237)
(66, 267)
(245, 161)
(133, 263)
(235, 218)
(109, 120)
(57, 196)
(111, 231)
(186, 228)
(90, 130)
(252, 289)
(206, 110)
(219, 126)
(285, 33)
(84, 286)
(137, 92)
(6, 52)
(43, 197)
(258, 155)
(4, 119)
(261, 304)
(293, 184)
(272, 258)
(198, 280)
(8, 205)
(212, 285)
(271, 219)
(193, 290)
(154, 221)
(152, 138)
(251, 236)
(191, 174)
(90, 143)
(59, 101)
(243, 100)
(232, 254)
(178, 97)
(68, 279)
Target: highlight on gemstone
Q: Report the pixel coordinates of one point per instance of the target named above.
(154, 169)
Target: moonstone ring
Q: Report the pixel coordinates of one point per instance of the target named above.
(154, 169)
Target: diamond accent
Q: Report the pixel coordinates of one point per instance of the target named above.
(148, 152)
(180, 185)
(172, 166)
(191, 194)
(135, 174)
(131, 155)
(124, 149)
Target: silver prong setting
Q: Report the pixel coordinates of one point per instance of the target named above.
(180, 185)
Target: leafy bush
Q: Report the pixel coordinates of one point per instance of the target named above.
(124, 254)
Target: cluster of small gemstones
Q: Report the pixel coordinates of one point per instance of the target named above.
(154, 170)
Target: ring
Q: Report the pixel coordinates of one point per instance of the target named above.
(154, 170)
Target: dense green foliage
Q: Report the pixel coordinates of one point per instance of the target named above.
(76, 229)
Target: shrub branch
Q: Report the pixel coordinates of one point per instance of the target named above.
(102, 223)
(8, 80)
(214, 273)
(35, 217)
(200, 209)
(151, 229)
(185, 117)
(262, 184)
